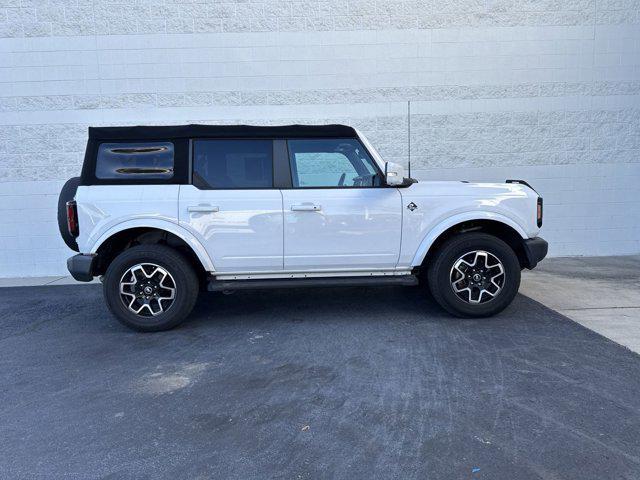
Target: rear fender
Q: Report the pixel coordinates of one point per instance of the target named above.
(173, 228)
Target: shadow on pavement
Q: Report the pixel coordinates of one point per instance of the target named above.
(332, 383)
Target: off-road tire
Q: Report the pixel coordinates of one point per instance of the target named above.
(439, 274)
(184, 276)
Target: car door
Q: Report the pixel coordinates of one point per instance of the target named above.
(232, 206)
(338, 215)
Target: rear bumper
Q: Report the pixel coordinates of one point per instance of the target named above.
(535, 249)
(81, 267)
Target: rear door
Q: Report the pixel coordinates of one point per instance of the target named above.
(231, 205)
(339, 215)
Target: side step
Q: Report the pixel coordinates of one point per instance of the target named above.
(221, 285)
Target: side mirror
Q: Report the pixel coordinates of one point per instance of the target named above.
(393, 173)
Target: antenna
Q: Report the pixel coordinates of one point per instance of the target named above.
(409, 135)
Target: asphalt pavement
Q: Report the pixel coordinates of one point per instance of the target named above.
(304, 384)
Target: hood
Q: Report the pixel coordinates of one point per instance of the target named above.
(468, 189)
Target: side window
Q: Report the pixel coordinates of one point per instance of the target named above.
(135, 161)
(339, 162)
(228, 164)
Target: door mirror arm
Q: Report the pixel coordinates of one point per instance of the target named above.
(407, 182)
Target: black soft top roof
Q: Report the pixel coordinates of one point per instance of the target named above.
(219, 131)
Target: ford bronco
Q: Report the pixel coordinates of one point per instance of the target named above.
(161, 213)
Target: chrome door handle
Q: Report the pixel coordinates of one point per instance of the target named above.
(203, 208)
(306, 208)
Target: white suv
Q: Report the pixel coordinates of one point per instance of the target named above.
(161, 213)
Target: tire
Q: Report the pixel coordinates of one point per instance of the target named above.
(442, 276)
(181, 276)
(66, 194)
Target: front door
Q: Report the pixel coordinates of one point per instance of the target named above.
(232, 207)
(338, 216)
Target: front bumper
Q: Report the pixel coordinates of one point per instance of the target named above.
(82, 266)
(535, 249)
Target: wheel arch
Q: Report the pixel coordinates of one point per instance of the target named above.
(498, 225)
(123, 235)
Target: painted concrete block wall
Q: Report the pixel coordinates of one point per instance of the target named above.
(545, 91)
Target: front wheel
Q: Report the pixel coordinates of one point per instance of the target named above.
(474, 275)
(150, 288)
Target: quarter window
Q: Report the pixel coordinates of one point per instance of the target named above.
(144, 161)
(341, 163)
(228, 164)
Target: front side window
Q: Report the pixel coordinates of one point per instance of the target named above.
(229, 164)
(135, 160)
(340, 162)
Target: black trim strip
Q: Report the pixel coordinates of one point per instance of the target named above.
(221, 285)
(170, 132)
(521, 182)
(281, 171)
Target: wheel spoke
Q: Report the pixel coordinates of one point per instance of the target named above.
(131, 303)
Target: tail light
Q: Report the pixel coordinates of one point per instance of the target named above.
(539, 212)
(72, 218)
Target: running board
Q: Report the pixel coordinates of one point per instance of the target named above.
(374, 281)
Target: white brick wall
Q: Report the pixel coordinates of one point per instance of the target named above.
(546, 91)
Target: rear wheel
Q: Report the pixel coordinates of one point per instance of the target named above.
(474, 275)
(150, 287)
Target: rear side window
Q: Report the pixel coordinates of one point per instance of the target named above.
(135, 161)
(229, 164)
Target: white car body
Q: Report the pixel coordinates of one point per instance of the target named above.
(275, 233)
(163, 213)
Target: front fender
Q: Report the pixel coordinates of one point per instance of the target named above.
(449, 222)
(159, 224)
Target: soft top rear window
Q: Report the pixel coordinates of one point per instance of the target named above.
(135, 160)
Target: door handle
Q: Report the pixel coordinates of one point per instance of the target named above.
(203, 208)
(306, 207)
